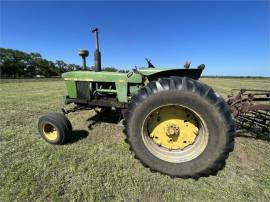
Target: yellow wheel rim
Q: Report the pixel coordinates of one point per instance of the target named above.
(50, 132)
(174, 133)
(173, 127)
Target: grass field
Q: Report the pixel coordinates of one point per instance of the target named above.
(97, 165)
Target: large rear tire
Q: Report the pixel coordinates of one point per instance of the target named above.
(180, 127)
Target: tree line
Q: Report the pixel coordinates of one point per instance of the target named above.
(19, 64)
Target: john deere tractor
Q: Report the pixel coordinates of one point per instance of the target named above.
(174, 124)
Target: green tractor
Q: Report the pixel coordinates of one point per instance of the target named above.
(174, 124)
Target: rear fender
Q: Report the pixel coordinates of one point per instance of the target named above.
(191, 73)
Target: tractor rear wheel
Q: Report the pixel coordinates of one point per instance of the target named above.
(54, 128)
(180, 127)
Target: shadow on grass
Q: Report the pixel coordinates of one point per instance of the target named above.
(106, 116)
(78, 135)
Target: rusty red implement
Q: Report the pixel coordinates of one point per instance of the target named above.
(251, 108)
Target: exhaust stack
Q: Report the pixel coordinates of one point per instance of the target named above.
(97, 55)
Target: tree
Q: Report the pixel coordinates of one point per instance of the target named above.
(13, 62)
(109, 69)
(73, 67)
(61, 65)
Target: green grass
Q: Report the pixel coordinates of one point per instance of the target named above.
(98, 164)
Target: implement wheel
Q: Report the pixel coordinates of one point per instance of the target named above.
(180, 127)
(54, 128)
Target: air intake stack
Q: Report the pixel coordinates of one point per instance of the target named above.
(97, 54)
(84, 54)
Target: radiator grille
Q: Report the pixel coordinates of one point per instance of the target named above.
(83, 91)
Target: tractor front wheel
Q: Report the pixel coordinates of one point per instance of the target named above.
(54, 128)
(180, 127)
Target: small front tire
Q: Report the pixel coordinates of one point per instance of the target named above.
(55, 128)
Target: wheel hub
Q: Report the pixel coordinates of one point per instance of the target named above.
(173, 128)
(50, 132)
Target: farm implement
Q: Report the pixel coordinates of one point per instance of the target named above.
(174, 124)
(251, 108)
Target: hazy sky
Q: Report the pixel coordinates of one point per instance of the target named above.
(231, 38)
